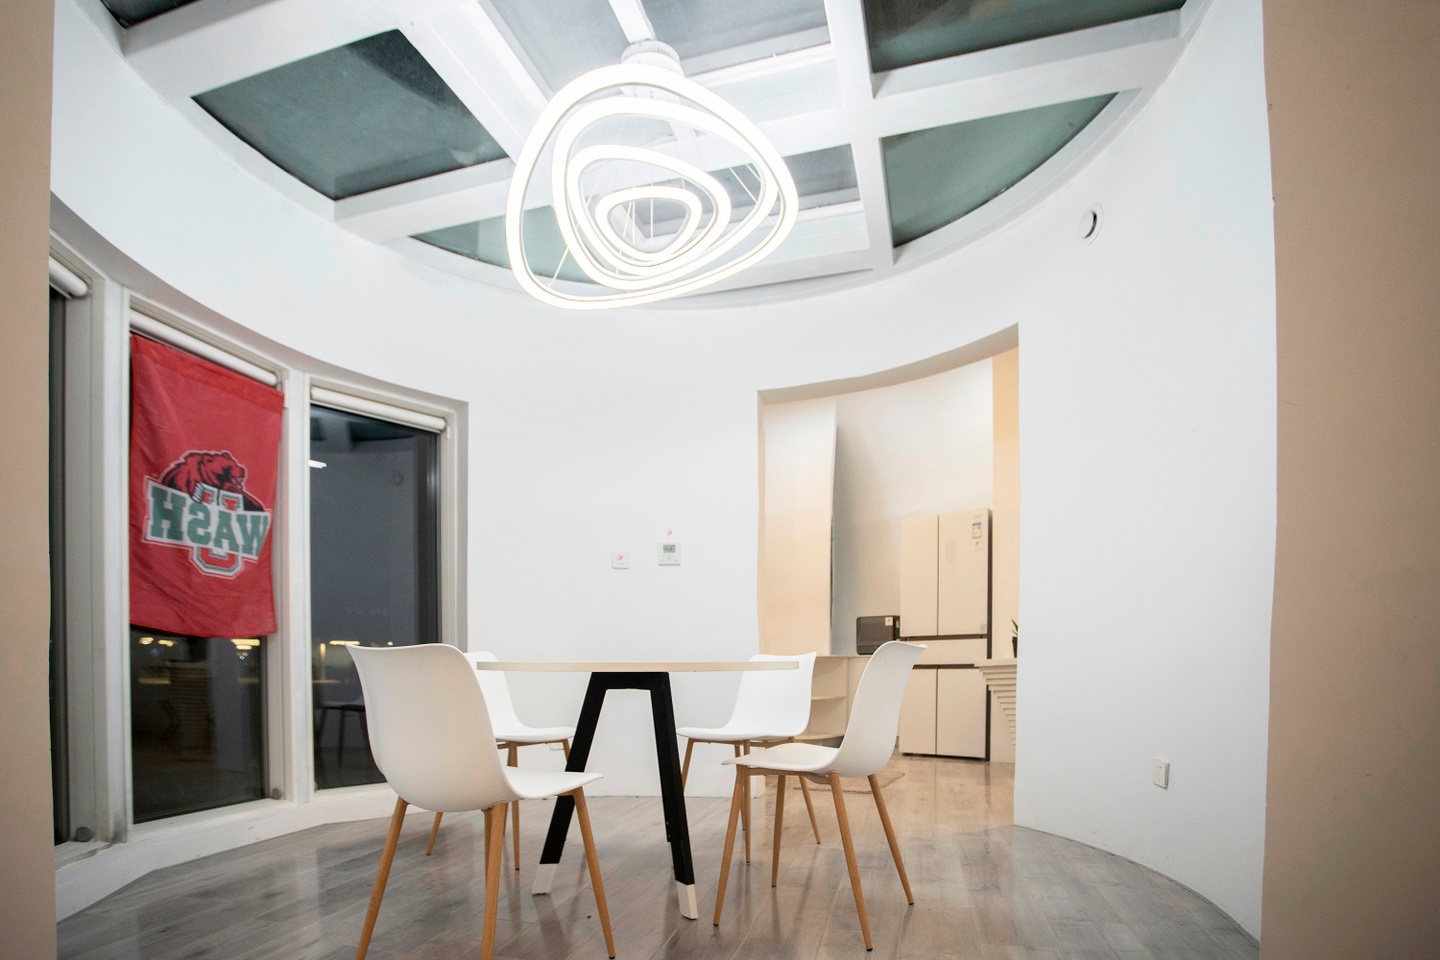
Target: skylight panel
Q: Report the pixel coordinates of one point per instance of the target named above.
(366, 115)
(702, 29)
(936, 176)
(127, 13)
(562, 38)
(906, 32)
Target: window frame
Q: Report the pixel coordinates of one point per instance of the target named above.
(96, 515)
(339, 393)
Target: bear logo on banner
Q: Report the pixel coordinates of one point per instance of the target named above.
(200, 504)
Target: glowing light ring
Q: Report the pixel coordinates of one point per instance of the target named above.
(632, 253)
(630, 273)
(566, 177)
(617, 275)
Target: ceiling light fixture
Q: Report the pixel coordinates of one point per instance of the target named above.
(659, 187)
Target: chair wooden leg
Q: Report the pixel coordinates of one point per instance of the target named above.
(729, 844)
(850, 857)
(779, 820)
(434, 832)
(583, 814)
(809, 806)
(685, 767)
(745, 810)
(565, 745)
(495, 819)
(890, 836)
(513, 759)
(397, 820)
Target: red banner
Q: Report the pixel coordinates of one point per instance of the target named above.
(204, 457)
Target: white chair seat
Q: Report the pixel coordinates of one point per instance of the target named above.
(790, 757)
(528, 734)
(540, 784)
(730, 733)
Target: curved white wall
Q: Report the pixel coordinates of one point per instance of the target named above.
(1147, 432)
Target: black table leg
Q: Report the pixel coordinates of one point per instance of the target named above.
(565, 806)
(672, 793)
(677, 829)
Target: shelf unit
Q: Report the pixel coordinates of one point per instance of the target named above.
(831, 694)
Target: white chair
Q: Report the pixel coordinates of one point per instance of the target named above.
(772, 706)
(431, 737)
(867, 747)
(511, 733)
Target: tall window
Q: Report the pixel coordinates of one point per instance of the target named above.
(59, 728)
(374, 568)
(204, 464)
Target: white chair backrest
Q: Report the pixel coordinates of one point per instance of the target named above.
(875, 713)
(497, 693)
(776, 702)
(429, 728)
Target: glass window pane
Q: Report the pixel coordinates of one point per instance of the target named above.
(905, 32)
(130, 12)
(698, 29)
(563, 38)
(367, 115)
(936, 176)
(196, 722)
(374, 569)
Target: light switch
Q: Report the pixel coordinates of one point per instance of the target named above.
(620, 560)
(1160, 773)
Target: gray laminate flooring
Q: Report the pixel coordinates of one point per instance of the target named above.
(984, 890)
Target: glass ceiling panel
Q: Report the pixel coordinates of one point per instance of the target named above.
(822, 177)
(905, 32)
(563, 38)
(697, 29)
(367, 115)
(485, 241)
(936, 176)
(130, 12)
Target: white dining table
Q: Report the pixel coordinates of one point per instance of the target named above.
(652, 676)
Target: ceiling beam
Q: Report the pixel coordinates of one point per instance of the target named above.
(857, 97)
(633, 20)
(473, 57)
(444, 200)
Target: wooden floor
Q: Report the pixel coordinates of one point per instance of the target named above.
(983, 889)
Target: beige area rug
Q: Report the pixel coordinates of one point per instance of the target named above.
(856, 784)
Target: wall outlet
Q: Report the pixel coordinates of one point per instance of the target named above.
(1160, 773)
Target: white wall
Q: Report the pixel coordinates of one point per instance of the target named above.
(796, 524)
(1147, 448)
(904, 450)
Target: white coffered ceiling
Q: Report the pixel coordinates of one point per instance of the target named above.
(811, 88)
